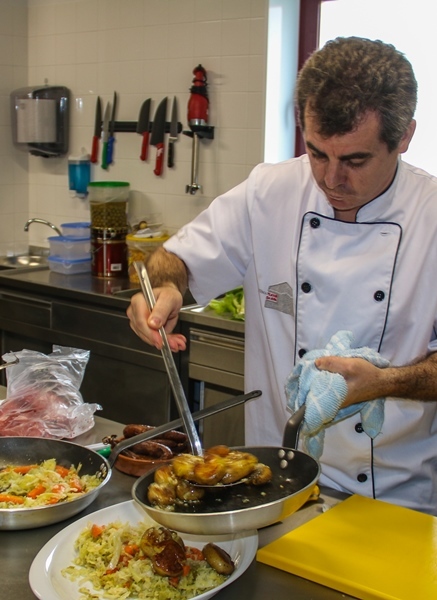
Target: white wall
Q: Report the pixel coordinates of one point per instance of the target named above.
(141, 49)
(13, 165)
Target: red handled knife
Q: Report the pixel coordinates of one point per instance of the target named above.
(97, 131)
(173, 133)
(157, 138)
(143, 127)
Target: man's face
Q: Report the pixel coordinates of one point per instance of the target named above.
(354, 168)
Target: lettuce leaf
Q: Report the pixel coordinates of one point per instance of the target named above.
(231, 304)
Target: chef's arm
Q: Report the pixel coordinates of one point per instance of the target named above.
(417, 381)
(169, 278)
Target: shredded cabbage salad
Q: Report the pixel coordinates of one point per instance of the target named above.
(110, 564)
(43, 484)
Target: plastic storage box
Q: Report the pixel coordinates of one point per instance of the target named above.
(69, 267)
(81, 230)
(70, 247)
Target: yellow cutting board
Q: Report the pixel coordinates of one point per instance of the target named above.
(363, 547)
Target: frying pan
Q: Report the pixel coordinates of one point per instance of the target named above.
(31, 450)
(245, 507)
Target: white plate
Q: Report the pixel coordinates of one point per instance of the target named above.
(45, 577)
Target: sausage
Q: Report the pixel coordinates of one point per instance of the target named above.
(131, 430)
(153, 449)
(176, 436)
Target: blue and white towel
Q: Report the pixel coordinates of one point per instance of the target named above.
(323, 393)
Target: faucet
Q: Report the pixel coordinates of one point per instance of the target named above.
(44, 222)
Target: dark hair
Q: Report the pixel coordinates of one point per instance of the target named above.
(351, 76)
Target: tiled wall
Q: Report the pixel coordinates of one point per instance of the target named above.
(140, 49)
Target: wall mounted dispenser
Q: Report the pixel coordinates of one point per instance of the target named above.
(40, 120)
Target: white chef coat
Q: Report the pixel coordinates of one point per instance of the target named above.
(306, 276)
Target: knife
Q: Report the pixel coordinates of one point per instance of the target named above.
(158, 131)
(111, 131)
(173, 133)
(143, 127)
(97, 131)
(105, 136)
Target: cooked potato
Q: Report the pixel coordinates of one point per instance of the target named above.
(218, 559)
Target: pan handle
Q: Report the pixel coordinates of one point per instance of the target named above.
(292, 428)
(161, 429)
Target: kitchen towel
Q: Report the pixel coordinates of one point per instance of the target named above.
(323, 393)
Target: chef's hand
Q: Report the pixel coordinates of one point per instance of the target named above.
(165, 313)
(362, 378)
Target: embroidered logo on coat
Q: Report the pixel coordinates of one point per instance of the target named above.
(280, 297)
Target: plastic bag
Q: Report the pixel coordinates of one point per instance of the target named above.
(43, 398)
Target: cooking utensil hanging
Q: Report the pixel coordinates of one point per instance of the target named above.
(198, 110)
(97, 131)
(111, 138)
(175, 382)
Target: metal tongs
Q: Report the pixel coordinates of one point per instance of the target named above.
(175, 382)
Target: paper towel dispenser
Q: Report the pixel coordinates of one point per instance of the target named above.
(40, 119)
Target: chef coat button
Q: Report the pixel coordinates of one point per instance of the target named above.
(302, 352)
(315, 223)
(379, 296)
(359, 428)
(362, 477)
(306, 287)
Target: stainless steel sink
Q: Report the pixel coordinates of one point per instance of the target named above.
(23, 261)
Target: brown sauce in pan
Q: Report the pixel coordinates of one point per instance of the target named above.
(241, 497)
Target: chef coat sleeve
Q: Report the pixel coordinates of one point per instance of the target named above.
(217, 245)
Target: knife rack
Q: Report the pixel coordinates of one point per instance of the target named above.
(131, 127)
(202, 132)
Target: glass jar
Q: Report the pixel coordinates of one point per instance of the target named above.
(108, 204)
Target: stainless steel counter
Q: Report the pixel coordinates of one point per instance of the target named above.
(115, 292)
(18, 548)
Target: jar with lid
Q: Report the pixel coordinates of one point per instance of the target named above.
(108, 204)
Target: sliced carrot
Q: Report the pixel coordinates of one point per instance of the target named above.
(52, 500)
(37, 491)
(174, 581)
(59, 488)
(11, 498)
(194, 553)
(62, 471)
(131, 549)
(186, 570)
(23, 469)
(76, 485)
(96, 530)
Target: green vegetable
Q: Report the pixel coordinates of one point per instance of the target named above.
(232, 304)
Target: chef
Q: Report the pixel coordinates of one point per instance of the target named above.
(342, 238)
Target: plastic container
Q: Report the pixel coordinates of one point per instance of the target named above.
(80, 230)
(69, 267)
(140, 248)
(70, 248)
(108, 204)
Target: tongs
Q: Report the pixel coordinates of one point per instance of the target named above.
(175, 382)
